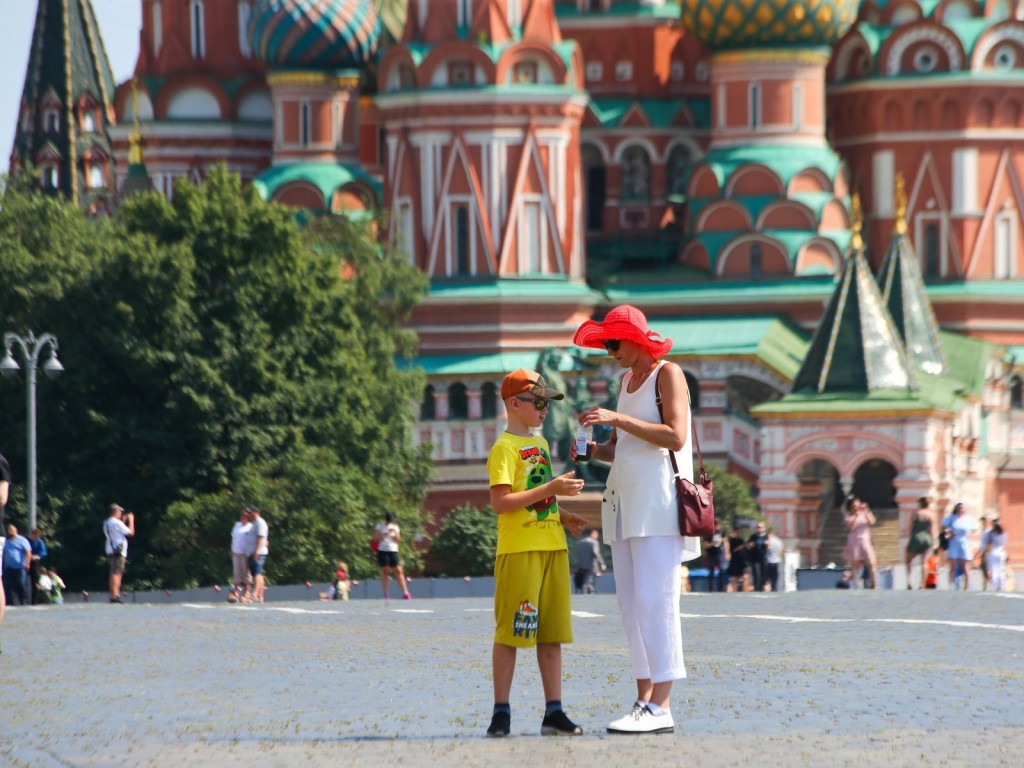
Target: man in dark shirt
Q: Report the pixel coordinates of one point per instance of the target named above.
(757, 547)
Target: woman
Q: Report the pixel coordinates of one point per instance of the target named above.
(387, 536)
(859, 552)
(737, 561)
(922, 536)
(638, 513)
(961, 529)
(995, 556)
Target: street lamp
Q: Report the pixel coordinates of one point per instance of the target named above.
(31, 349)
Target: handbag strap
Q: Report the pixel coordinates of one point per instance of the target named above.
(693, 427)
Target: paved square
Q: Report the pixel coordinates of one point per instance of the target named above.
(801, 679)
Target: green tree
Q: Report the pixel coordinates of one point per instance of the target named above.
(733, 498)
(466, 542)
(216, 349)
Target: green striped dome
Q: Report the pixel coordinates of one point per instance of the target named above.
(737, 24)
(320, 34)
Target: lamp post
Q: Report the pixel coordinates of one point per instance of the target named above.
(31, 349)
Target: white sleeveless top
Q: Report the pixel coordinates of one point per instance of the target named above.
(640, 497)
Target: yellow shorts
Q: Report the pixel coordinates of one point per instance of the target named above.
(532, 599)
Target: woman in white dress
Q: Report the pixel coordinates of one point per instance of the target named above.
(638, 514)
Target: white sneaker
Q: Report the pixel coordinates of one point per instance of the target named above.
(642, 720)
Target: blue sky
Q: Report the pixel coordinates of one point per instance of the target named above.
(119, 22)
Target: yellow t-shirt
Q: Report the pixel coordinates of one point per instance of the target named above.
(524, 463)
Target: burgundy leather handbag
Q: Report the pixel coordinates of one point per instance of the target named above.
(695, 501)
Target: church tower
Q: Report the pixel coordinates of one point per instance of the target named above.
(481, 104)
(201, 95)
(66, 106)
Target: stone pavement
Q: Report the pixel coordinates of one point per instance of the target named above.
(797, 679)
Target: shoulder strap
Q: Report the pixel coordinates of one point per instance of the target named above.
(693, 427)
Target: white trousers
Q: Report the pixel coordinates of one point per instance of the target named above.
(648, 572)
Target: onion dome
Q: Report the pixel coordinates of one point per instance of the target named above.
(314, 34)
(737, 24)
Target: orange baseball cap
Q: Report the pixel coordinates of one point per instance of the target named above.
(522, 380)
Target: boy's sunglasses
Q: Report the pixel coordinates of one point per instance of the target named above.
(539, 403)
(612, 345)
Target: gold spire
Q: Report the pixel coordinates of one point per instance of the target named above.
(856, 241)
(135, 140)
(900, 200)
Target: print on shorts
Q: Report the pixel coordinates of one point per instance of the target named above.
(524, 624)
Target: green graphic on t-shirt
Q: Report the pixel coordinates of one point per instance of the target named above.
(538, 474)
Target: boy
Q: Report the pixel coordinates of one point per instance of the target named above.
(931, 569)
(531, 569)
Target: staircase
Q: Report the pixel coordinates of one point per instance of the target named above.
(885, 536)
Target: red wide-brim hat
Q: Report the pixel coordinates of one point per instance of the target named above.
(623, 322)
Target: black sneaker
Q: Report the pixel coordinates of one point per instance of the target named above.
(557, 724)
(501, 725)
(116, 600)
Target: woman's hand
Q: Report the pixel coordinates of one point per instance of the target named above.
(598, 416)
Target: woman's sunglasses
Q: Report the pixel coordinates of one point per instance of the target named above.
(612, 345)
(539, 403)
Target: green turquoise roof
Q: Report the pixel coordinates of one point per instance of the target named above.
(775, 341)
(856, 347)
(327, 177)
(968, 361)
(733, 293)
(527, 286)
(494, 51)
(786, 161)
(903, 293)
(660, 112)
(792, 240)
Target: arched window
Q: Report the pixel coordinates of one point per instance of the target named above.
(756, 260)
(595, 176)
(158, 27)
(458, 402)
(488, 401)
(636, 174)
(678, 167)
(88, 122)
(304, 124)
(931, 251)
(96, 180)
(428, 408)
(198, 29)
(244, 12)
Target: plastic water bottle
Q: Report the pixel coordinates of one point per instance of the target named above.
(584, 446)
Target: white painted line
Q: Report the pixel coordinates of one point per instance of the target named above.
(812, 620)
(586, 615)
(410, 610)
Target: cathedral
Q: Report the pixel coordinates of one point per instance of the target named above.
(819, 201)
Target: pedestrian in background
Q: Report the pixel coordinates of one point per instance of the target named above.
(737, 569)
(241, 578)
(774, 550)
(994, 553)
(17, 564)
(259, 536)
(388, 536)
(589, 562)
(922, 536)
(116, 533)
(5, 489)
(757, 548)
(962, 529)
(859, 553)
(39, 554)
(716, 557)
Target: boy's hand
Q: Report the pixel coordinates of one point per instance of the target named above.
(574, 523)
(566, 485)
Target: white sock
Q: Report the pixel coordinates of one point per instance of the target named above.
(655, 709)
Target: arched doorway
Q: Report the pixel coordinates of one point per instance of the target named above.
(819, 493)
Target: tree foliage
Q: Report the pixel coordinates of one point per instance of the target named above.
(733, 498)
(217, 353)
(466, 542)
